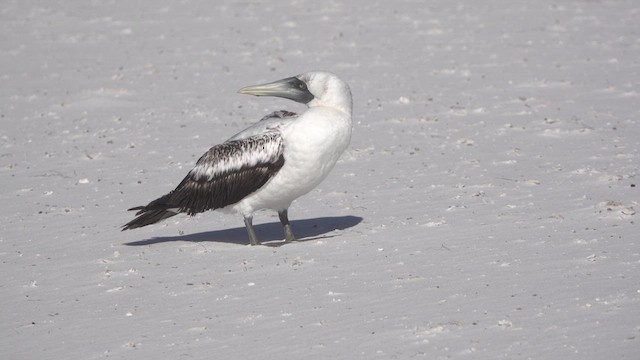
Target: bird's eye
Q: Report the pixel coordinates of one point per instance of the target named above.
(302, 86)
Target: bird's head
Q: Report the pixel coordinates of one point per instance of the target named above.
(314, 88)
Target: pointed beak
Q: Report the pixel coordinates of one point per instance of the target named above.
(290, 88)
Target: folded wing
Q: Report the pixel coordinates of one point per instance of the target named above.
(224, 175)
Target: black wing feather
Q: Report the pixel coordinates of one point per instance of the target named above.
(224, 175)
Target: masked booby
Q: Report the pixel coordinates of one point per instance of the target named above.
(269, 164)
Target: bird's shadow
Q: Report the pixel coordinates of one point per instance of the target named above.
(270, 234)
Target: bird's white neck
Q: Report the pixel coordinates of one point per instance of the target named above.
(338, 97)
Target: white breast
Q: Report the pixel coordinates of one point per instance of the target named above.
(312, 145)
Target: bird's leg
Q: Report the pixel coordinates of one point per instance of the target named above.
(288, 232)
(248, 223)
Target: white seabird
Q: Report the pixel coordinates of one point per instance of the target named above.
(269, 164)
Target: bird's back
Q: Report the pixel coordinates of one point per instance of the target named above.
(277, 120)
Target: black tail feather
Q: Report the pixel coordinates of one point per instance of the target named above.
(156, 211)
(147, 216)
